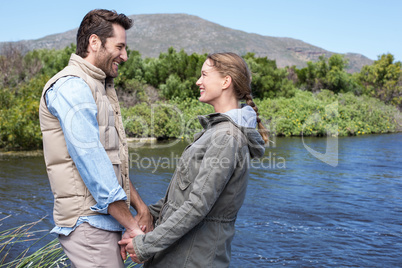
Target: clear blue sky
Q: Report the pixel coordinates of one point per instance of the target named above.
(367, 27)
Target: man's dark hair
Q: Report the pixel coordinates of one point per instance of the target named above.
(99, 22)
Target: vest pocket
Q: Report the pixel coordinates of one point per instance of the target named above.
(114, 157)
(117, 171)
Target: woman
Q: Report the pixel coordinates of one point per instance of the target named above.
(195, 221)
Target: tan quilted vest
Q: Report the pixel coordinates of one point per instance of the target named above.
(72, 198)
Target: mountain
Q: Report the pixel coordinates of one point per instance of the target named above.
(155, 33)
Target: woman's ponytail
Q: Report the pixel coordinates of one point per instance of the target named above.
(261, 129)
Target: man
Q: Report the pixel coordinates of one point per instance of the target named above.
(85, 147)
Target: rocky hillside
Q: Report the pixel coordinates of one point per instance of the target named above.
(155, 33)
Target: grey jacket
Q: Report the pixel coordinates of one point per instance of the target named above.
(195, 221)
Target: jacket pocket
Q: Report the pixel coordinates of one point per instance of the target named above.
(183, 179)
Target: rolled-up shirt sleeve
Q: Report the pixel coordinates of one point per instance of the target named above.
(70, 100)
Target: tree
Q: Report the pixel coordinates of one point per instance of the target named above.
(14, 67)
(326, 74)
(383, 79)
(174, 73)
(133, 68)
(267, 80)
(52, 61)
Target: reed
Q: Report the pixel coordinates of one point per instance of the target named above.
(50, 255)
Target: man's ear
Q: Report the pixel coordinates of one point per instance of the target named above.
(227, 81)
(94, 43)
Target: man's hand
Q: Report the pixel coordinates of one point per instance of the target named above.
(126, 245)
(128, 235)
(122, 214)
(145, 220)
(144, 217)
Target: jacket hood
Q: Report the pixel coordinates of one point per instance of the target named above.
(245, 117)
(256, 144)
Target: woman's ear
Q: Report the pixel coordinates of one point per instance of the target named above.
(227, 81)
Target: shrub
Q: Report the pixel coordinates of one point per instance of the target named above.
(327, 114)
(19, 117)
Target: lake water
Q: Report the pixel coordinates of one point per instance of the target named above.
(298, 212)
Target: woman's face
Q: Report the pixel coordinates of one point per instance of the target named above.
(211, 84)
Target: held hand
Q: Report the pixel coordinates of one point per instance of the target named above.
(133, 232)
(127, 245)
(145, 220)
(127, 237)
(143, 217)
(135, 258)
(123, 252)
(123, 243)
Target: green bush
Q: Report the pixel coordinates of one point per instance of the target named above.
(52, 61)
(383, 80)
(325, 113)
(16, 68)
(267, 80)
(19, 116)
(305, 114)
(327, 74)
(174, 119)
(332, 110)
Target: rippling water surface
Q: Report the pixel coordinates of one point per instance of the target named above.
(299, 211)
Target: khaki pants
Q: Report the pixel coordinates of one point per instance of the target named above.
(88, 246)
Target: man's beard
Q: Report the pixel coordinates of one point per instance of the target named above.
(105, 63)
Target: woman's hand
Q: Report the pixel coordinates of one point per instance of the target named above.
(126, 245)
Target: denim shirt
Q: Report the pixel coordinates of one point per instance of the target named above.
(62, 98)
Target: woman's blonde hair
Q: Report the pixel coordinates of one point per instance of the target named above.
(233, 65)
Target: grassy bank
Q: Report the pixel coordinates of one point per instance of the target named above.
(19, 154)
(50, 255)
(306, 114)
